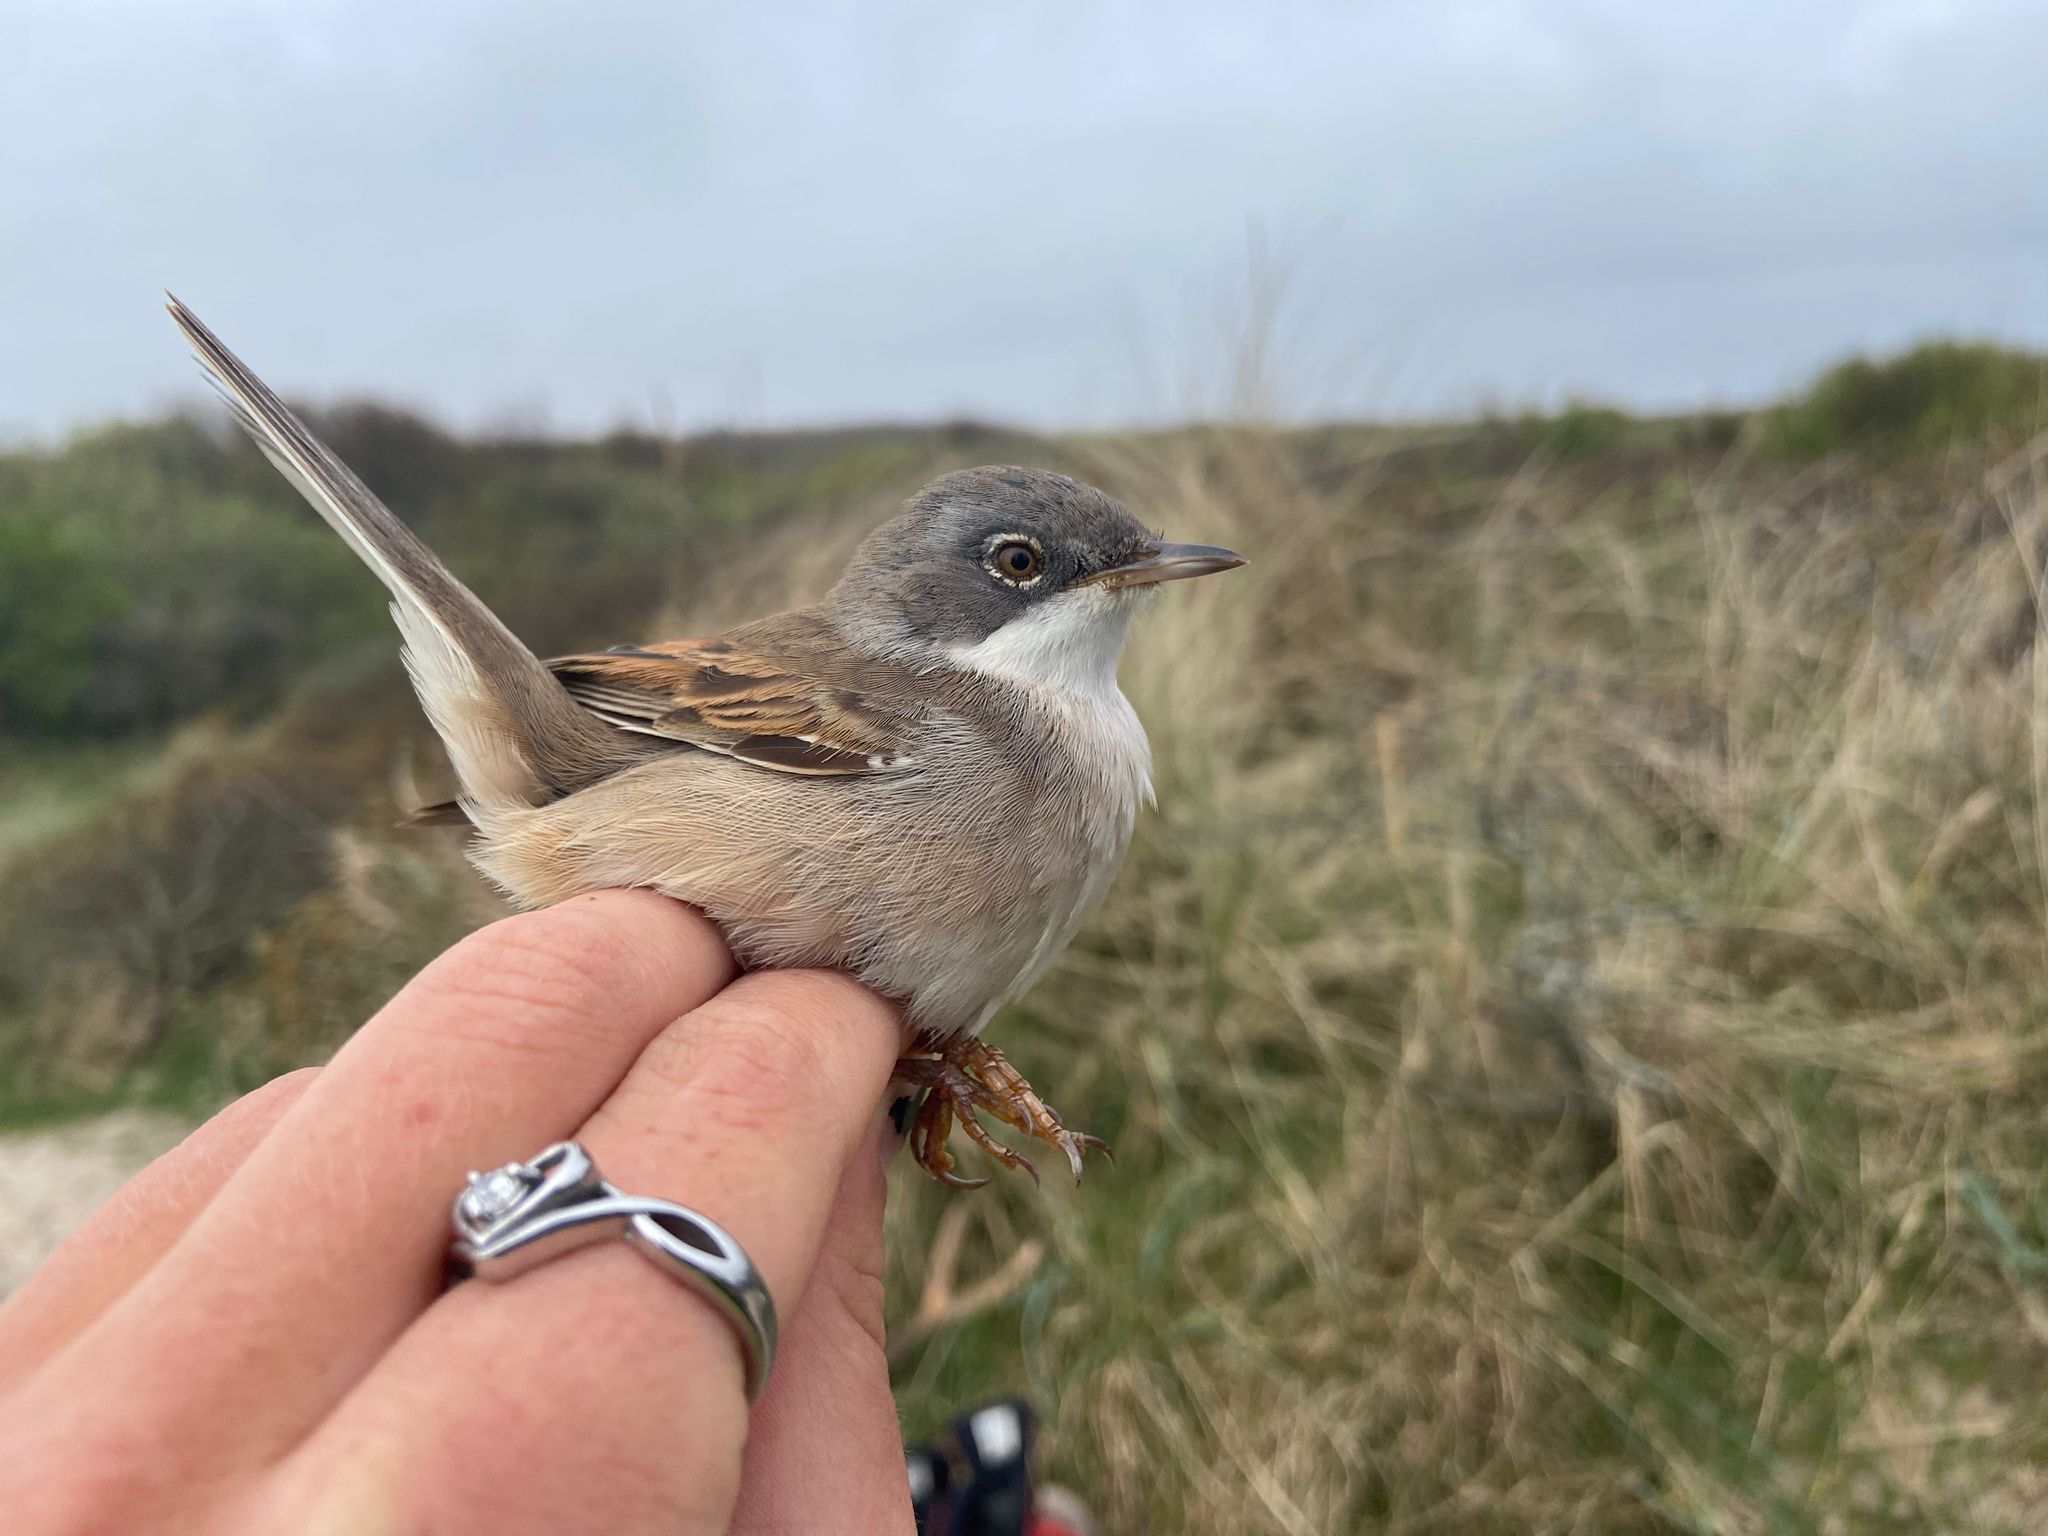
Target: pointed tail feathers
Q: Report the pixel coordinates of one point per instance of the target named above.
(515, 736)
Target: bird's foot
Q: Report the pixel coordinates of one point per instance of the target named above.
(963, 1076)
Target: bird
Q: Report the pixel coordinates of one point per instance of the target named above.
(927, 779)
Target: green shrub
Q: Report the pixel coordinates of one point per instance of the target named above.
(57, 596)
(1582, 430)
(1935, 395)
(169, 570)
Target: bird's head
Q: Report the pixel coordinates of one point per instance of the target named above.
(1020, 573)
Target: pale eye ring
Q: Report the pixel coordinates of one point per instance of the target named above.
(1015, 558)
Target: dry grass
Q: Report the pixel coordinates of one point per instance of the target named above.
(1572, 1032)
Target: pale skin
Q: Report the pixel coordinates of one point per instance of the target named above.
(253, 1334)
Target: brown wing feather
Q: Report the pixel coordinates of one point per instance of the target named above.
(725, 697)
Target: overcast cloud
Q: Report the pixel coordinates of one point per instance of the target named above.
(582, 214)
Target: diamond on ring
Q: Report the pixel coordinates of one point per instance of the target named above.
(491, 1195)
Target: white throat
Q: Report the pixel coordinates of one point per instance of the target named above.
(1069, 645)
(1065, 652)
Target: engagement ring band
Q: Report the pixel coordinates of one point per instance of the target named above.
(524, 1214)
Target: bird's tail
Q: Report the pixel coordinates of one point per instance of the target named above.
(515, 736)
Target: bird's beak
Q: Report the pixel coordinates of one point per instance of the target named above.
(1168, 562)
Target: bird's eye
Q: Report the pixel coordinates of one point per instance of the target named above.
(1016, 560)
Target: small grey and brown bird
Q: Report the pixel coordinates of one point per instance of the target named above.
(927, 780)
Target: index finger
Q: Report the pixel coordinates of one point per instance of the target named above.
(332, 1237)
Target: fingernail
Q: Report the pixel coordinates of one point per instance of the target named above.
(896, 1125)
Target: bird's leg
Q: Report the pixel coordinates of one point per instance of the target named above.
(963, 1076)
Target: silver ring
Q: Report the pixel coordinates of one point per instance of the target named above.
(523, 1214)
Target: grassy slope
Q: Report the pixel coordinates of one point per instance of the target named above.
(1571, 1032)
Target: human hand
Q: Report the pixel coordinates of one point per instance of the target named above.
(253, 1334)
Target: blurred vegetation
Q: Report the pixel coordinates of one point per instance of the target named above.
(58, 598)
(1938, 395)
(1572, 1032)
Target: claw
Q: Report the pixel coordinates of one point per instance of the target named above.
(1074, 1143)
(964, 1079)
(1008, 1157)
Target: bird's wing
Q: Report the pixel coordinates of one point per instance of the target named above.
(723, 696)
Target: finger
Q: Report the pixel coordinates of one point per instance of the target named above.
(331, 1238)
(595, 1392)
(120, 1241)
(823, 1449)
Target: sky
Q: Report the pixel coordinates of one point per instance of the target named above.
(681, 215)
